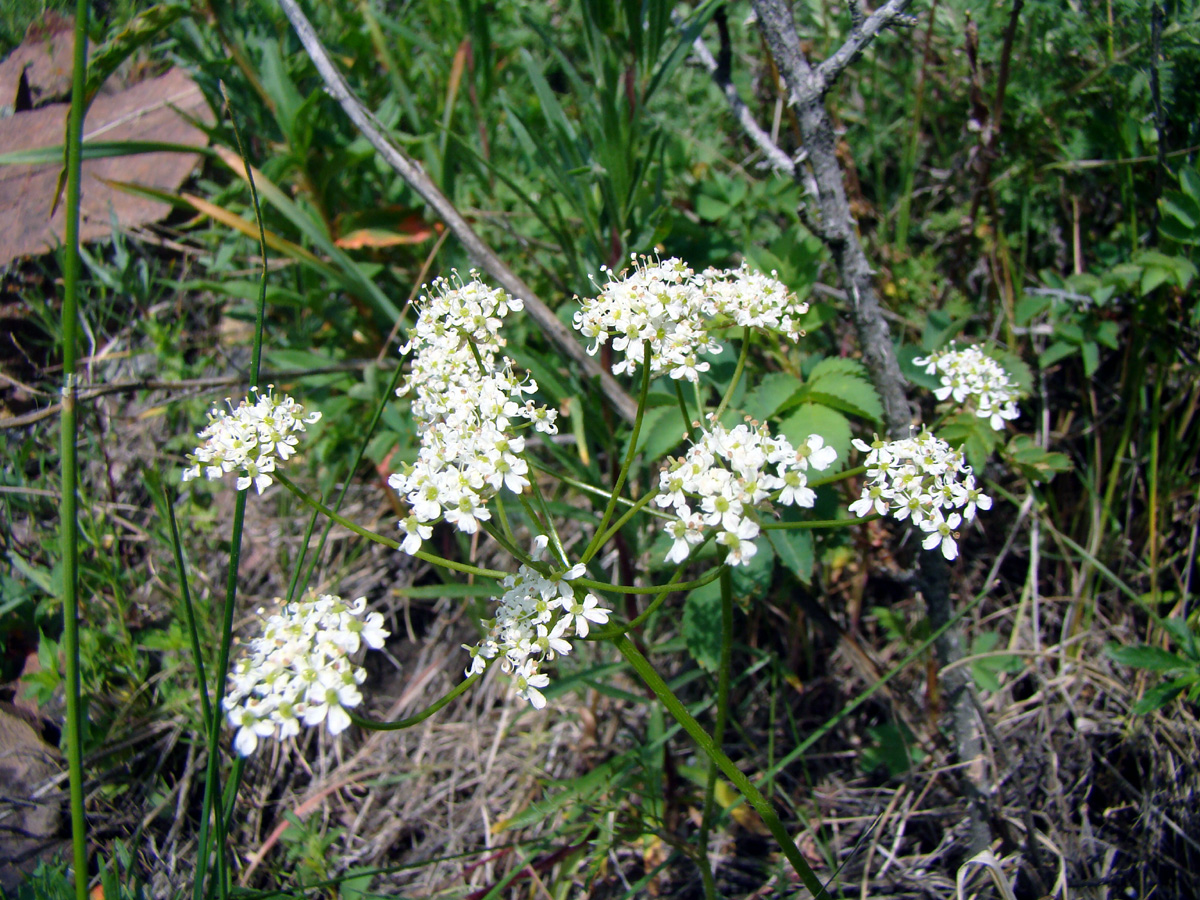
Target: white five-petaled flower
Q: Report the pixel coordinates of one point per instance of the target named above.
(972, 377)
(924, 480)
(250, 439)
(731, 475)
(298, 670)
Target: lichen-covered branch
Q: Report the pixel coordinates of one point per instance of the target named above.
(832, 221)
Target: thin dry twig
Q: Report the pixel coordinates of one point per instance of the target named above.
(415, 176)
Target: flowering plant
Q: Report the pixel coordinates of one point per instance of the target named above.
(484, 441)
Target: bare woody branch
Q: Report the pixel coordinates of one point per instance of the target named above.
(821, 175)
(778, 160)
(862, 32)
(408, 169)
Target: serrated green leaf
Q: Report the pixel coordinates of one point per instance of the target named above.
(702, 625)
(812, 418)
(1153, 277)
(848, 394)
(838, 365)
(1177, 231)
(1144, 656)
(794, 547)
(771, 394)
(1158, 697)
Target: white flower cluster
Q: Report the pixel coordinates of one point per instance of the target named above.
(727, 472)
(250, 439)
(299, 671)
(676, 311)
(465, 400)
(922, 479)
(536, 616)
(970, 374)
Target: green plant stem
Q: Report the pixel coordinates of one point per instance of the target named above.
(209, 806)
(673, 705)
(362, 450)
(737, 376)
(190, 614)
(646, 589)
(726, 661)
(70, 463)
(379, 538)
(612, 631)
(511, 549)
(838, 476)
(502, 516)
(449, 697)
(549, 520)
(211, 810)
(596, 543)
(596, 491)
(637, 507)
(687, 420)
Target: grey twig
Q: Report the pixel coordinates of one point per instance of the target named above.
(779, 160)
(834, 224)
(862, 32)
(830, 215)
(408, 169)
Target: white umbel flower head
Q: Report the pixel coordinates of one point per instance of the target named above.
(727, 478)
(973, 378)
(298, 670)
(534, 619)
(469, 405)
(250, 440)
(924, 480)
(676, 311)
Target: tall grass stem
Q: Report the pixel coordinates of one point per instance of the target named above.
(70, 464)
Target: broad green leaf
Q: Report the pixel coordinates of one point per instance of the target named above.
(702, 625)
(1182, 207)
(1030, 307)
(1189, 180)
(1017, 369)
(1091, 357)
(812, 418)
(794, 547)
(838, 365)
(771, 394)
(1057, 351)
(1153, 277)
(848, 394)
